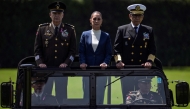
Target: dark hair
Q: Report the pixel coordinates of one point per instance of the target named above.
(96, 12)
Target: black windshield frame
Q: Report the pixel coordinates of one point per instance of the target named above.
(92, 73)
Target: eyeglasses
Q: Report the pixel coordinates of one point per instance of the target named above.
(96, 19)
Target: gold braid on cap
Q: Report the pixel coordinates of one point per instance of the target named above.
(137, 10)
(57, 5)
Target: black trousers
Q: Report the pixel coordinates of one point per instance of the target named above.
(60, 87)
(100, 89)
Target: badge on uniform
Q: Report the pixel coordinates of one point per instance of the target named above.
(48, 33)
(146, 35)
(37, 57)
(64, 33)
(71, 58)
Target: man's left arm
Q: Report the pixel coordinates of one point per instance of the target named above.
(151, 47)
(72, 47)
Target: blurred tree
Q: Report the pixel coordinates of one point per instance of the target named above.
(169, 18)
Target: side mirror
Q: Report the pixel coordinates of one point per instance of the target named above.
(6, 94)
(182, 94)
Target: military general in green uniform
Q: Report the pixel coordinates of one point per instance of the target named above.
(143, 95)
(55, 46)
(134, 44)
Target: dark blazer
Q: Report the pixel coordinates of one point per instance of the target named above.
(134, 49)
(53, 50)
(103, 52)
(46, 100)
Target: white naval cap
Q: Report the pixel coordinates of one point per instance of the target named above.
(136, 8)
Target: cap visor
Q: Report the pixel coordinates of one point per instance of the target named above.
(56, 10)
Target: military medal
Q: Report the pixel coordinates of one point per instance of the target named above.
(46, 42)
(64, 33)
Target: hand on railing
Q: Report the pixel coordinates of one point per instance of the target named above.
(83, 66)
(147, 65)
(42, 66)
(63, 65)
(103, 66)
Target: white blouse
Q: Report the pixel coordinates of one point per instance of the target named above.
(95, 38)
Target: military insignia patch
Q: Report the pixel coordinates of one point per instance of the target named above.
(37, 57)
(146, 35)
(48, 33)
(137, 8)
(64, 33)
(71, 58)
(57, 6)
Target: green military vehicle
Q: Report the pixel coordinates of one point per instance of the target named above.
(22, 97)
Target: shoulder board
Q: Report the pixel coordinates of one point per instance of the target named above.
(44, 24)
(69, 25)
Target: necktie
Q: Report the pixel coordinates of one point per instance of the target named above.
(56, 29)
(135, 29)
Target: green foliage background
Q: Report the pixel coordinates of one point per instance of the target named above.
(170, 19)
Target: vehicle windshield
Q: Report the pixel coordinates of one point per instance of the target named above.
(137, 90)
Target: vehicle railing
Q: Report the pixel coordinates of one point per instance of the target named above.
(30, 71)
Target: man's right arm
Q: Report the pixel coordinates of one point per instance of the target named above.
(118, 46)
(38, 47)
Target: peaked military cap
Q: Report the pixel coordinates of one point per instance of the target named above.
(38, 80)
(57, 6)
(143, 79)
(136, 8)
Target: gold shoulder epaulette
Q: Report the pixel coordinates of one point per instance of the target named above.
(69, 25)
(44, 24)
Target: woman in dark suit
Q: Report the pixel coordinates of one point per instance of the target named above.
(95, 50)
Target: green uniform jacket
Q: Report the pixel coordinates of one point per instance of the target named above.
(53, 50)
